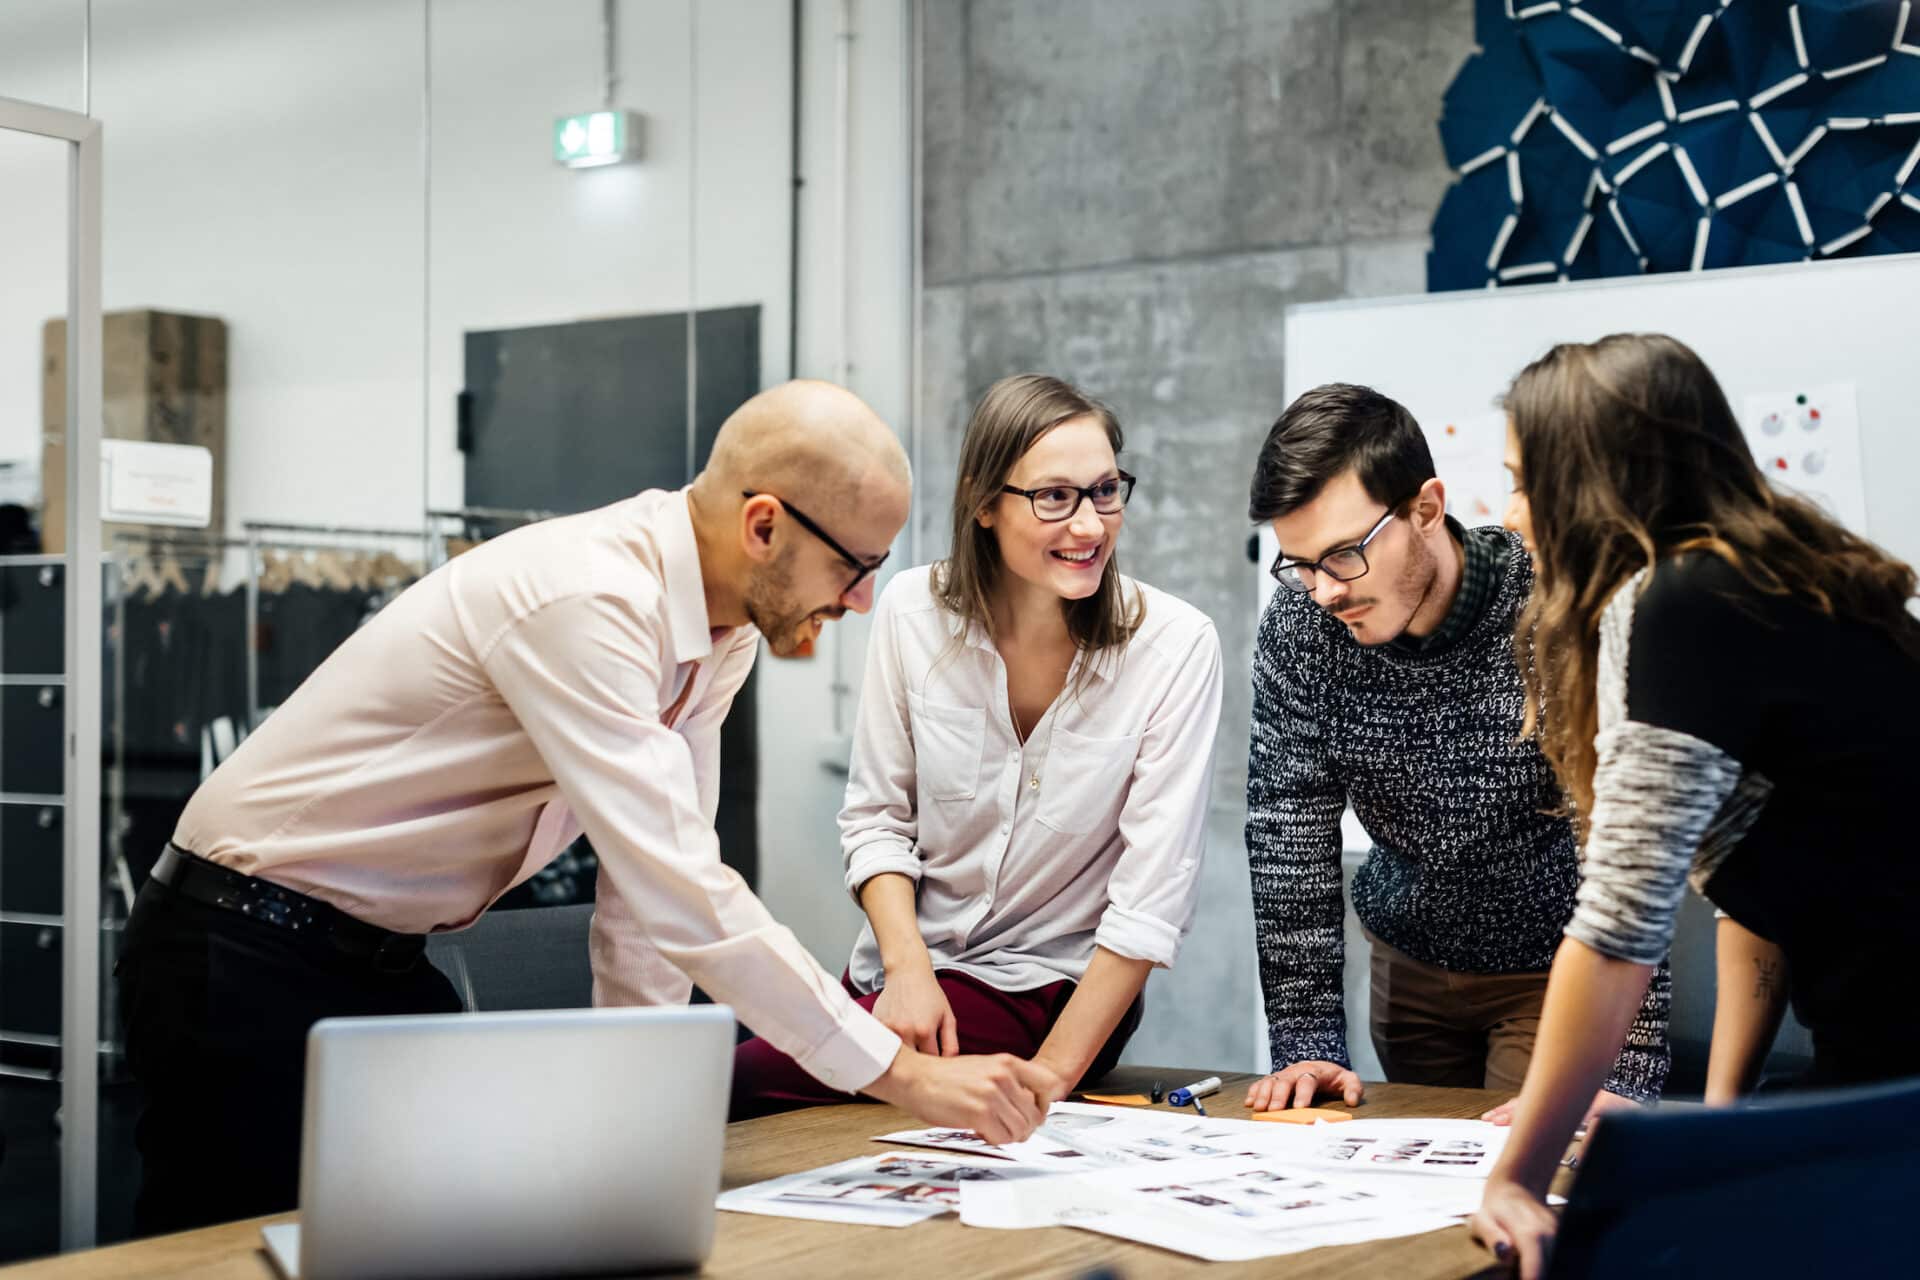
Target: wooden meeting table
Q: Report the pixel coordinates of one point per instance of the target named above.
(753, 1245)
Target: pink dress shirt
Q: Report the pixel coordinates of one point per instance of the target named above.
(560, 677)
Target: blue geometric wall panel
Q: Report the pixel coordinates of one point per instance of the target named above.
(1597, 138)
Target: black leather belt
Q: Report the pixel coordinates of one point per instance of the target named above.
(225, 889)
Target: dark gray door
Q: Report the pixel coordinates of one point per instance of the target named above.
(569, 417)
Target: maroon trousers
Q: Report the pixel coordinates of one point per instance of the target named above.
(766, 1080)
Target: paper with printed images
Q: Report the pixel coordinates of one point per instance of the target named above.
(1081, 1135)
(1219, 1209)
(1447, 1148)
(1212, 1188)
(892, 1190)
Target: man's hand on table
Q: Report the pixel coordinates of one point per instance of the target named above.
(1295, 1086)
(1060, 1081)
(998, 1096)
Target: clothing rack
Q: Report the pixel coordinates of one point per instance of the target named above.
(527, 515)
(464, 522)
(259, 538)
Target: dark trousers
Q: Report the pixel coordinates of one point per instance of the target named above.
(216, 1009)
(1462, 1030)
(987, 1020)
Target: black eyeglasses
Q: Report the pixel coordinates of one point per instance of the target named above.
(1342, 564)
(860, 567)
(1057, 502)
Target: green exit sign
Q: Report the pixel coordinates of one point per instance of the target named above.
(597, 138)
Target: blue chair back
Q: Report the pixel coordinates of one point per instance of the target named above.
(1810, 1184)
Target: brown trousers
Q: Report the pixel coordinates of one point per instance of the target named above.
(1467, 1030)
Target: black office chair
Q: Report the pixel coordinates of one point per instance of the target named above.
(1811, 1184)
(534, 958)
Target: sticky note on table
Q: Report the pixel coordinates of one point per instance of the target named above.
(1119, 1099)
(1304, 1115)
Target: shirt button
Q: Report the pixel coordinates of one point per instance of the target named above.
(1005, 827)
(826, 1074)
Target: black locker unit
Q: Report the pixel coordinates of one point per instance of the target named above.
(33, 698)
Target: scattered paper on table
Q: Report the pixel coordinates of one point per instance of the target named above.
(1078, 1133)
(1447, 1148)
(893, 1190)
(1220, 1210)
(1221, 1189)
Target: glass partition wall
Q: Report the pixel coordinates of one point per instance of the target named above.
(50, 940)
(340, 248)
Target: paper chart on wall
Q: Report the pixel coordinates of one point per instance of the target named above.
(1469, 454)
(1808, 440)
(892, 1190)
(1219, 1209)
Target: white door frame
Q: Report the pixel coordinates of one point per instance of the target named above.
(80, 936)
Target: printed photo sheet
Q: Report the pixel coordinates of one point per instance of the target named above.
(1447, 1148)
(1226, 1209)
(1083, 1135)
(893, 1190)
(1086, 1135)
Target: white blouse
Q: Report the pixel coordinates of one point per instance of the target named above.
(1028, 856)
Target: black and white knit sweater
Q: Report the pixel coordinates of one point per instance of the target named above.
(1468, 871)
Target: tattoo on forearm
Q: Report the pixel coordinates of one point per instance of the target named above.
(1766, 981)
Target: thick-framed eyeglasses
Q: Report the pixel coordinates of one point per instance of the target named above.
(1057, 502)
(860, 567)
(1342, 564)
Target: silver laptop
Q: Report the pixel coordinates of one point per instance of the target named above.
(510, 1144)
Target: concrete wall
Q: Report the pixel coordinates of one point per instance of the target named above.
(1128, 193)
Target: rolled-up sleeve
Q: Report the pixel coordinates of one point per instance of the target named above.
(1163, 821)
(582, 677)
(877, 822)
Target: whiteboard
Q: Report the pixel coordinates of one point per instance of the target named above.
(1764, 331)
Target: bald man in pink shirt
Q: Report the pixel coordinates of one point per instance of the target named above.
(570, 676)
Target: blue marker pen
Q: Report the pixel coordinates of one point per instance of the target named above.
(1193, 1093)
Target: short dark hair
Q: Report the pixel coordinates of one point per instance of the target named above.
(1331, 429)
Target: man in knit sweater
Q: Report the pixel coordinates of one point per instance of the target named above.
(1384, 678)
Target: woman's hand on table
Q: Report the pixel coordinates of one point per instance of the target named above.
(913, 1007)
(1603, 1102)
(1517, 1225)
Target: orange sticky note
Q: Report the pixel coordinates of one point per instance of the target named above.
(1119, 1099)
(1304, 1115)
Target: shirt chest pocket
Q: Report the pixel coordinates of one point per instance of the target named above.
(947, 745)
(1084, 781)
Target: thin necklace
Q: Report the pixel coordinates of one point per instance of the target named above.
(1048, 718)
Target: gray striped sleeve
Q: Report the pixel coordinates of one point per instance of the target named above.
(1655, 794)
(1664, 802)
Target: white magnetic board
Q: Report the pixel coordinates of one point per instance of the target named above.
(1762, 330)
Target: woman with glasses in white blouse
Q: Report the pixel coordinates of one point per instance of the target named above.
(1028, 792)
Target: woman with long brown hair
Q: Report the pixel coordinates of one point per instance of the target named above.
(1028, 792)
(1727, 683)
